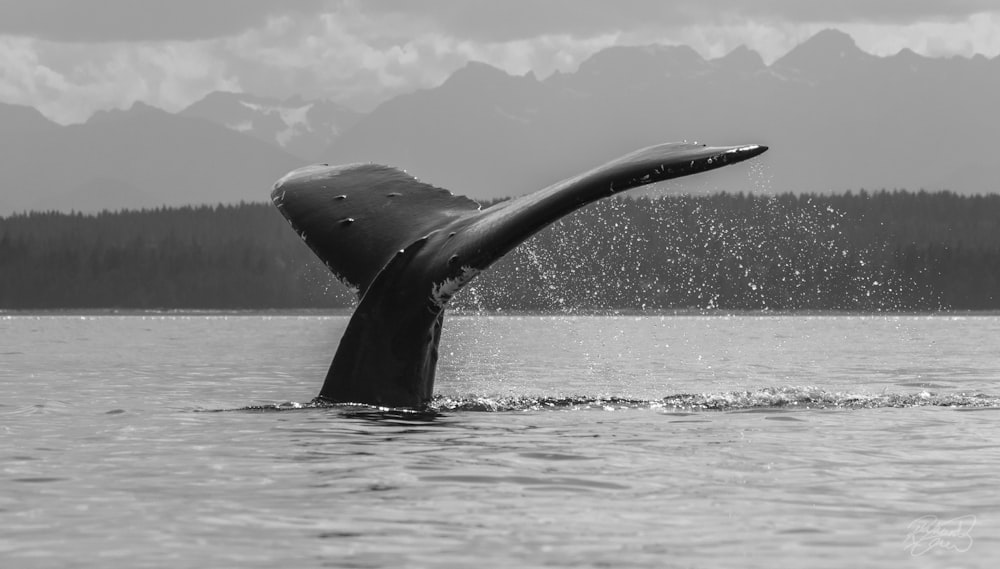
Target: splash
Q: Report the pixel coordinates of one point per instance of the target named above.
(721, 251)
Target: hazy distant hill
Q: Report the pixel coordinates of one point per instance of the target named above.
(17, 123)
(135, 158)
(836, 118)
(303, 128)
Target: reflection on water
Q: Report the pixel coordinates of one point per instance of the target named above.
(752, 441)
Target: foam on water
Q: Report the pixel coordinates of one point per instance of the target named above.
(764, 399)
(771, 398)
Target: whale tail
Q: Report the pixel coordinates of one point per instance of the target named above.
(407, 247)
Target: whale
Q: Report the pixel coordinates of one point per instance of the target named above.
(406, 247)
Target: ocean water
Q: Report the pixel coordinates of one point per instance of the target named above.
(186, 440)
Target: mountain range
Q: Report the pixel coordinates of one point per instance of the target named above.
(302, 128)
(836, 118)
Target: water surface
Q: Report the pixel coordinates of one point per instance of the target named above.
(649, 441)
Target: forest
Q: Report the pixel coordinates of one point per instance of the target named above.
(864, 251)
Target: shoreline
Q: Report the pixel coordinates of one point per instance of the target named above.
(345, 312)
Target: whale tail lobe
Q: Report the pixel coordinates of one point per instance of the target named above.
(407, 247)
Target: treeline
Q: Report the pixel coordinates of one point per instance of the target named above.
(863, 252)
(223, 257)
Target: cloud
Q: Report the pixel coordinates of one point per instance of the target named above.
(896, 12)
(478, 20)
(492, 20)
(978, 34)
(361, 61)
(68, 83)
(141, 20)
(69, 61)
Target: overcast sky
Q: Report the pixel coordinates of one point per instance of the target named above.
(69, 58)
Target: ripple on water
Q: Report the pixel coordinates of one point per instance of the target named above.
(547, 482)
(716, 450)
(39, 479)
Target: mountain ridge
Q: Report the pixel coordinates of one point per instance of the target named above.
(836, 117)
(140, 157)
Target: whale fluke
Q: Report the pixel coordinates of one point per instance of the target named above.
(406, 247)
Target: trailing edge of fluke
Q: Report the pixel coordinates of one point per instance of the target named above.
(406, 247)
